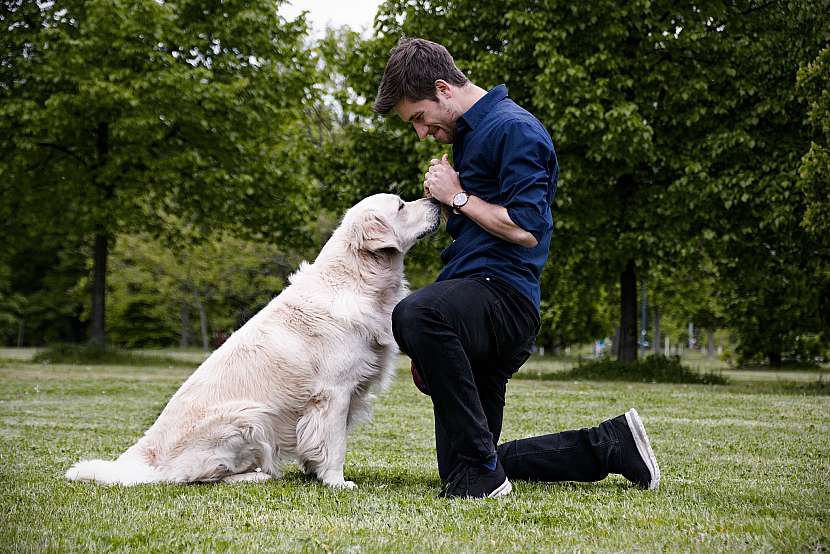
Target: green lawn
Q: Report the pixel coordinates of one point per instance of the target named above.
(746, 467)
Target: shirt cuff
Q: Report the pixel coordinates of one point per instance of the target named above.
(529, 219)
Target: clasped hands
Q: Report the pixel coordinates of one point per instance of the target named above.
(441, 181)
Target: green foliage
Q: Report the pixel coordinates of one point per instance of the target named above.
(172, 118)
(39, 297)
(360, 153)
(573, 310)
(159, 295)
(742, 188)
(814, 172)
(126, 112)
(804, 351)
(675, 131)
(90, 354)
(692, 138)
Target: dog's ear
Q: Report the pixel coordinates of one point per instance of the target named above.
(375, 233)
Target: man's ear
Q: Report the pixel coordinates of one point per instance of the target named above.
(375, 233)
(443, 88)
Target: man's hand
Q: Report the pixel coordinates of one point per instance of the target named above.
(441, 181)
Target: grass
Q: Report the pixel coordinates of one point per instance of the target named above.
(745, 468)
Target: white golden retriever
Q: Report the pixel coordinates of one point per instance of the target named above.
(291, 381)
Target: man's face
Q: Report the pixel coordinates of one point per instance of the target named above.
(431, 117)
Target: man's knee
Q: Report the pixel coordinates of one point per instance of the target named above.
(403, 320)
(409, 318)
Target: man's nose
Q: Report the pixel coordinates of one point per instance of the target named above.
(422, 130)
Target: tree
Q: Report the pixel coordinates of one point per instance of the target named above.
(743, 158)
(577, 306)
(174, 118)
(222, 281)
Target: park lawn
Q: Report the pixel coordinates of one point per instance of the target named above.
(744, 469)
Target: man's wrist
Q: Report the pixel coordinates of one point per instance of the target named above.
(460, 199)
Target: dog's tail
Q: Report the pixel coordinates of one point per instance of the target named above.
(119, 472)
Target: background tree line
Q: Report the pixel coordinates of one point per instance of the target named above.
(183, 156)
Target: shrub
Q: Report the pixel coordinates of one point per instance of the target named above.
(89, 354)
(653, 369)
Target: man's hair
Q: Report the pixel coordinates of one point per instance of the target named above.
(413, 67)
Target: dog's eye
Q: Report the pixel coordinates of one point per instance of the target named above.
(400, 206)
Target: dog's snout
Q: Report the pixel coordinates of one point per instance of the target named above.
(433, 216)
(433, 206)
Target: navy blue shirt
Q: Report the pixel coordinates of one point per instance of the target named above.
(505, 156)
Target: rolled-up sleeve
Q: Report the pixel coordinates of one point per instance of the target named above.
(527, 175)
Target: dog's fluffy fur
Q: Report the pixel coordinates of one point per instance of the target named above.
(291, 381)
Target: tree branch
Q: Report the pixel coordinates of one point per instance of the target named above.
(63, 150)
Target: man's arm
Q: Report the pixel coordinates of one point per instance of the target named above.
(495, 220)
(442, 183)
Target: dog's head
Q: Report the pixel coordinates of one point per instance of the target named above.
(384, 222)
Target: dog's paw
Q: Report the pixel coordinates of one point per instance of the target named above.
(341, 485)
(252, 477)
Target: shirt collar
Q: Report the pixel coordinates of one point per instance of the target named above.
(484, 105)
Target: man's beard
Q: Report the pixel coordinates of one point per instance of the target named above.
(448, 129)
(447, 134)
(442, 136)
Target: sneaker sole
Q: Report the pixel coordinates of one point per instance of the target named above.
(502, 490)
(635, 424)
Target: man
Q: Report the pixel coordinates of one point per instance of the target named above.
(468, 332)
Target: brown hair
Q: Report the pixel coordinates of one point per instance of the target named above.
(413, 67)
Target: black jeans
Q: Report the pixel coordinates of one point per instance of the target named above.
(467, 337)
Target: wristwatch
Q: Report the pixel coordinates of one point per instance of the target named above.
(459, 200)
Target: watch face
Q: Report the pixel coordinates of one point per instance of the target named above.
(459, 199)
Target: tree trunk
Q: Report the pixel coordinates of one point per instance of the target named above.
(99, 289)
(641, 338)
(774, 358)
(184, 317)
(203, 322)
(627, 350)
(657, 344)
(97, 335)
(710, 343)
(21, 328)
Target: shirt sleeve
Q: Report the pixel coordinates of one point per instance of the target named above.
(526, 173)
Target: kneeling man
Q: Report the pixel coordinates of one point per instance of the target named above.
(468, 332)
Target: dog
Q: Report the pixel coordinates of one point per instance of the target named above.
(291, 382)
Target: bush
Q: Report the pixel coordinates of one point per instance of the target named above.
(653, 369)
(89, 354)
